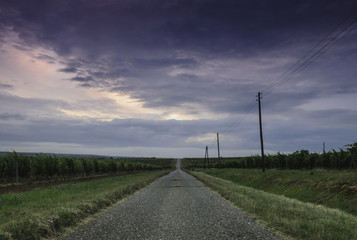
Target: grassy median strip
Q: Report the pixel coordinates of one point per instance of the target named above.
(43, 212)
(291, 217)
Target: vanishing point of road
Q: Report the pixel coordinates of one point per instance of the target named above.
(177, 206)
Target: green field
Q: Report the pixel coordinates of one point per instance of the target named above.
(43, 212)
(300, 204)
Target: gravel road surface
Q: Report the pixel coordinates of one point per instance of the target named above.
(177, 206)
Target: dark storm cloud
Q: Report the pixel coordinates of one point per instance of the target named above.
(141, 41)
(197, 56)
(68, 70)
(214, 27)
(80, 79)
(87, 81)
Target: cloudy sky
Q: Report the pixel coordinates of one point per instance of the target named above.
(161, 78)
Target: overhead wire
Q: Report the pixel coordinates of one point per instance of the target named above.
(312, 49)
(314, 53)
(243, 115)
(309, 61)
(301, 64)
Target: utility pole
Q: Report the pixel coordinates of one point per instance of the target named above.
(206, 158)
(261, 131)
(219, 154)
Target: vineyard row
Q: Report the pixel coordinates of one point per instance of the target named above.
(342, 159)
(49, 166)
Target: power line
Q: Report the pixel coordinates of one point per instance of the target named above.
(334, 36)
(320, 48)
(243, 115)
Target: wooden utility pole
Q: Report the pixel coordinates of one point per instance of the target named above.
(206, 158)
(261, 131)
(219, 154)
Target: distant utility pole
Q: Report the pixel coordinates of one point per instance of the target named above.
(323, 147)
(219, 154)
(261, 131)
(206, 158)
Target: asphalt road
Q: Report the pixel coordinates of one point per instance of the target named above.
(177, 206)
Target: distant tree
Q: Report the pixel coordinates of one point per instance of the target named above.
(352, 148)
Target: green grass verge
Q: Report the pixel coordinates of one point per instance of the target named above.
(44, 212)
(331, 188)
(293, 218)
